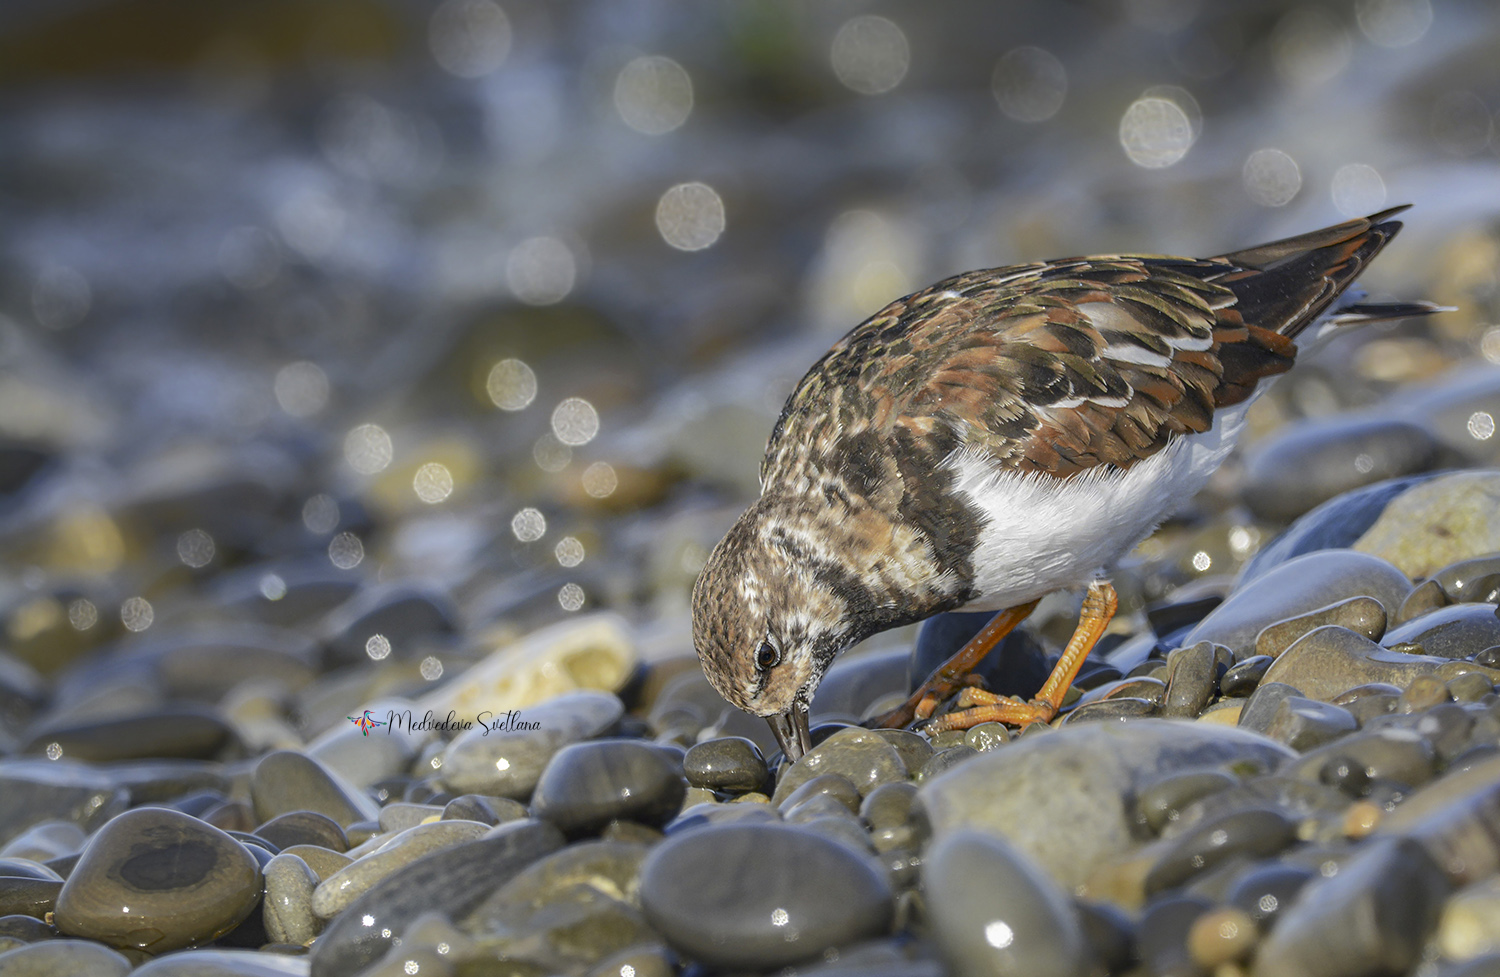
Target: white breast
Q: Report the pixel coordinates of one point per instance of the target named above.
(1044, 534)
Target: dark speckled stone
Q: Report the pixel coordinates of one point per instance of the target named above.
(155, 879)
(726, 763)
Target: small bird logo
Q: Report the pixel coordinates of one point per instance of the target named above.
(366, 722)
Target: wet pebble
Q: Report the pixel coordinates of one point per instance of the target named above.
(729, 895)
(1221, 936)
(1162, 938)
(861, 756)
(1242, 678)
(995, 913)
(1437, 523)
(185, 732)
(154, 879)
(1191, 676)
(284, 781)
(322, 861)
(1331, 660)
(226, 963)
(1362, 615)
(1265, 891)
(1305, 583)
(1263, 704)
(1456, 631)
(1111, 710)
(486, 810)
(508, 762)
(335, 893)
(304, 828)
(587, 785)
(28, 897)
(287, 907)
(726, 763)
(1162, 801)
(1254, 832)
(1305, 723)
(34, 790)
(63, 957)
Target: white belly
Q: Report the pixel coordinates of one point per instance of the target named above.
(1043, 534)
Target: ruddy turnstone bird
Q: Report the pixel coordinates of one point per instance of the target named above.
(994, 438)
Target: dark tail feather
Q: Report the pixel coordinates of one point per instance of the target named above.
(1387, 311)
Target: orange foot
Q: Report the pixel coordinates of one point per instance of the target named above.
(978, 706)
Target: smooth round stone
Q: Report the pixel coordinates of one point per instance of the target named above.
(1424, 693)
(322, 861)
(54, 957)
(304, 828)
(1191, 674)
(1163, 801)
(313, 589)
(1331, 660)
(25, 868)
(1255, 832)
(1452, 517)
(1305, 723)
(1264, 892)
(1084, 776)
(287, 908)
(404, 613)
(913, 748)
(486, 810)
(726, 763)
(1305, 583)
(188, 733)
(1221, 936)
(986, 736)
(1471, 687)
(400, 815)
(1244, 676)
(862, 756)
(1162, 937)
(509, 762)
(1428, 596)
(25, 929)
(1372, 916)
(335, 893)
(206, 663)
(831, 785)
(1109, 932)
(1400, 755)
(993, 912)
(1149, 688)
(1306, 464)
(945, 760)
(1470, 581)
(702, 815)
(28, 896)
(47, 840)
(283, 782)
(451, 882)
(33, 790)
(728, 895)
(1112, 710)
(817, 806)
(155, 879)
(650, 960)
(1261, 707)
(1456, 631)
(1362, 615)
(225, 963)
(588, 785)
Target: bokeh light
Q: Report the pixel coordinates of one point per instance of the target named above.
(1030, 84)
(301, 388)
(690, 216)
(136, 613)
(1393, 23)
(433, 482)
(654, 95)
(368, 449)
(1357, 189)
(320, 514)
(378, 647)
(599, 480)
(541, 271)
(431, 668)
(1271, 177)
(575, 422)
(511, 385)
(82, 614)
(571, 597)
(345, 551)
(529, 525)
(272, 586)
(195, 548)
(569, 551)
(870, 54)
(1155, 132)
(469, 38)
(550, 454)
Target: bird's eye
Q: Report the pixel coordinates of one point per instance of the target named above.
(766, 656)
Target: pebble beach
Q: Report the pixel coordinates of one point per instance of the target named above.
(376, 376)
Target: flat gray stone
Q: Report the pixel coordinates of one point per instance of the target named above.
(1329, 661)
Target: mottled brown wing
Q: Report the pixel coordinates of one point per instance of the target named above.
(1065, 365)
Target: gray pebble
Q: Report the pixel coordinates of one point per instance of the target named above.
(335, 893)
(1242, 678)
(993, 912)
(1362, 615)
(287, 908)
(726, 763)
(1262, 705)
(1305, 723)
(728, 895)
(486, 810)
(1162, 801)
(1457, 631)
(1190, 679)
(862, 756)
(508, 762)
(587, 785)
(1331, 660)
(304, 828)
(1255, 832)
(284, 781)
(55, 957)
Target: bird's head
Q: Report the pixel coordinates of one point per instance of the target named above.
(769, 615)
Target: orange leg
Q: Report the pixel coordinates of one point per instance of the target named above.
(1098, 608)
(953, 672)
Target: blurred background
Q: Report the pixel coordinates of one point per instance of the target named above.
(408, 327)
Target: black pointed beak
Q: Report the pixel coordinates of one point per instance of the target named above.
(792, 732)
